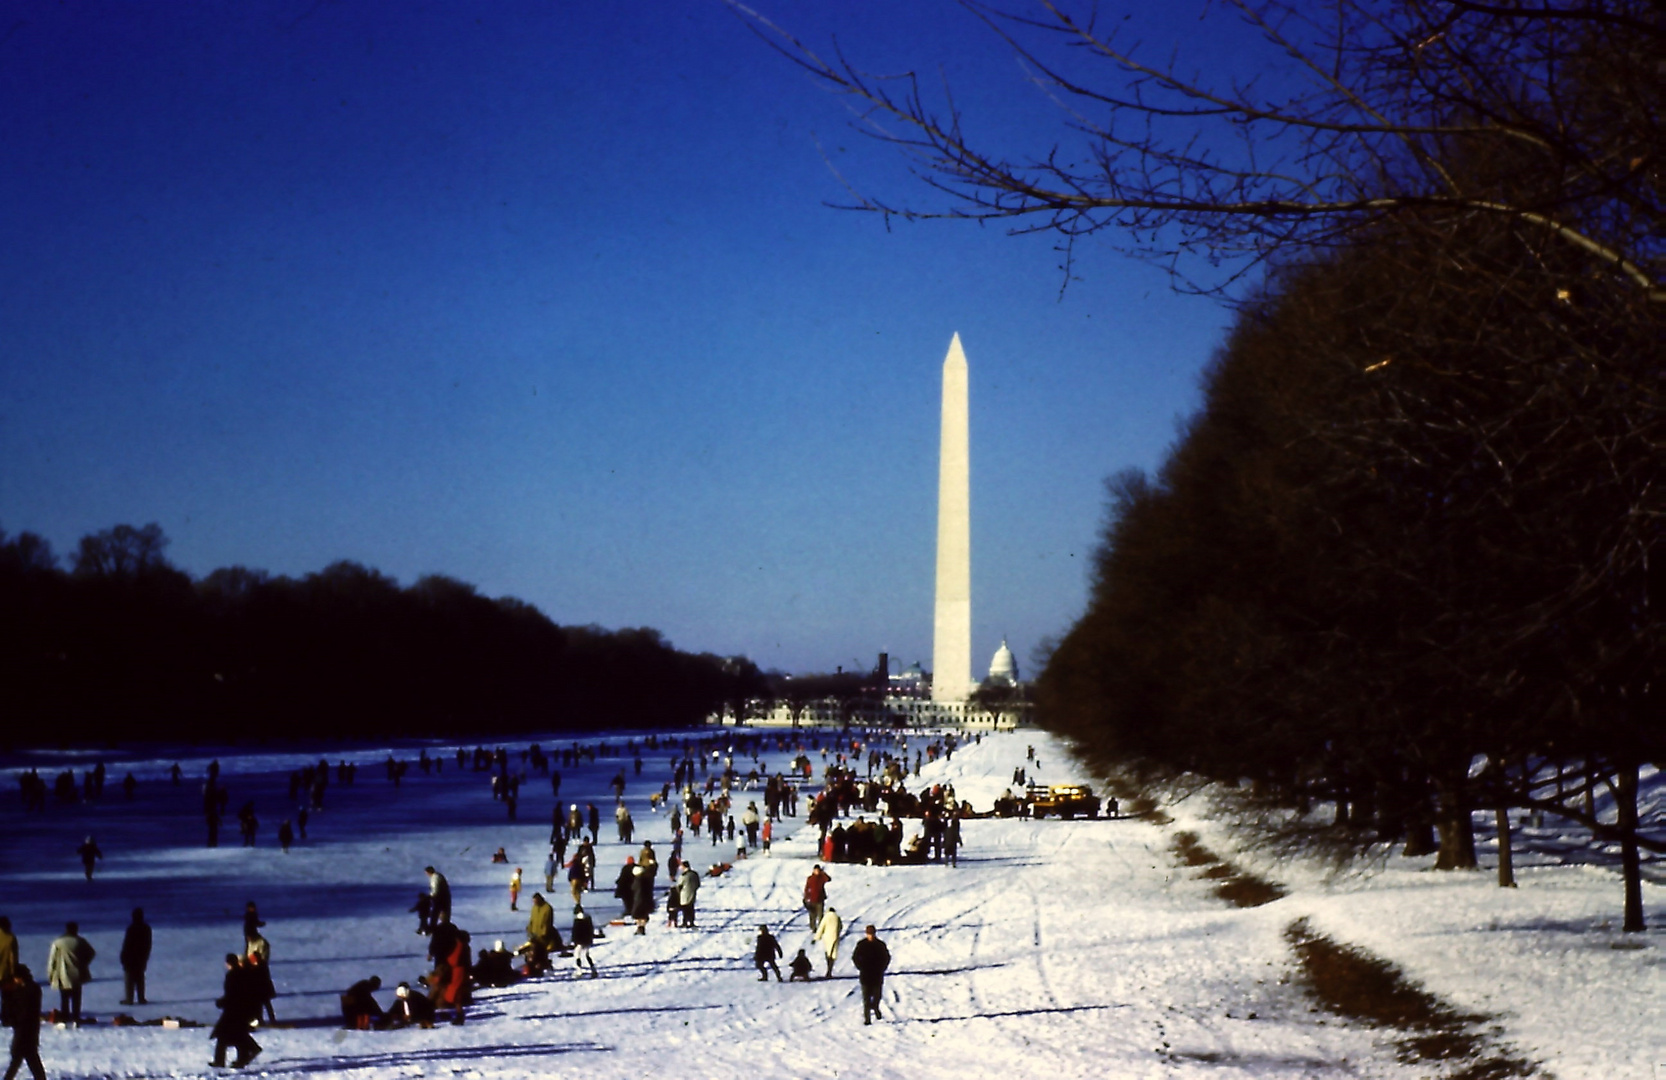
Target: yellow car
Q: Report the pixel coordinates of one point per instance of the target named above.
(1065, 800)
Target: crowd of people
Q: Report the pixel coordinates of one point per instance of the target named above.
(703, 791)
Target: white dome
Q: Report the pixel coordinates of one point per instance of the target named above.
(1004, 667)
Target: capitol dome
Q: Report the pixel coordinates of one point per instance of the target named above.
(1004, 668)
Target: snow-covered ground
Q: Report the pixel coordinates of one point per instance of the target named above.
(1055, 949)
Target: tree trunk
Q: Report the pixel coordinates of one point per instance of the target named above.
(1420, 832)
(1631, 865)
(1457, 831)
(1506, 864)
(1390, 822)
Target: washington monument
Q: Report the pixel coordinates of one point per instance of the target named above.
(951, 654)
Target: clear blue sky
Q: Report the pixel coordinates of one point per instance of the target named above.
(546, 296)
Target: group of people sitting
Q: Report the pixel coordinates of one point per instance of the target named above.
(448, 987)
(361, 1010)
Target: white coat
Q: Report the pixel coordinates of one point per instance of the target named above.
(67, 963)
(827, 934)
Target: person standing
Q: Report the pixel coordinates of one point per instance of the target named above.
(239, 1003)
(515, 890)
(252, 922)
(135, 957)
(584, 936)
(20, 1011)
(642, 896)
(424, 908)
(8, 950)
(688, 886)
(765, 955)
(828, 932)
(815, 895)
(550, 867)
(871, 958)
(259, 964)
(576, 879)
(585, 856)
(439, 895)
(68, 968)
(540, 925)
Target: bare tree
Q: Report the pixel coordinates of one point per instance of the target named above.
(122, 551)
(1376, 101)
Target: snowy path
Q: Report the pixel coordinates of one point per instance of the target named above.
(1055, 950)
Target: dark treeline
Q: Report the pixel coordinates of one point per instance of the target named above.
(123, 645)
(1406, 562)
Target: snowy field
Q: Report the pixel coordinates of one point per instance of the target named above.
(1055, 949)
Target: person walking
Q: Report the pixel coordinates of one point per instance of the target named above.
(439, 895)
(515, 890)
(68, 968)
(765, 954)
(815, 895)
(584, 936)
(135, 957)
(871, 958)
(88, 852)
(239, 1004)
(20, 1011)
(550, 867)
(828, 932)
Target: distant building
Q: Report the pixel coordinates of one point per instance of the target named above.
(1003, 670)
(905, 701)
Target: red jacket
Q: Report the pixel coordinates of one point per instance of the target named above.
(815, 887)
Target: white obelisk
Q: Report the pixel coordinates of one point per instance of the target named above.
(951, 654)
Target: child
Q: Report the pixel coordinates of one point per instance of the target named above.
(800, 968)
(515, 889)
(424, 908)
